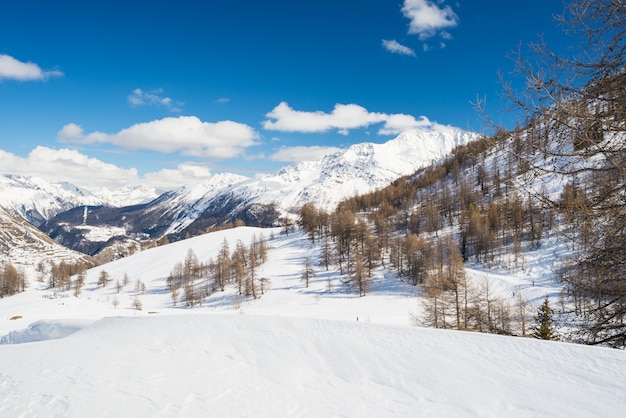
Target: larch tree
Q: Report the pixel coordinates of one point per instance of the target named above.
(307, 272)
(575, 103)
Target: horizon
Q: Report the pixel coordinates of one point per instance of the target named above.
(168, 96)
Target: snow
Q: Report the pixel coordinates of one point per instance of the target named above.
(295, 351)
(245, 365)
(101, 233)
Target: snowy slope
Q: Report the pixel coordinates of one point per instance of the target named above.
(243, 365)
(186, 204)
(295, 351)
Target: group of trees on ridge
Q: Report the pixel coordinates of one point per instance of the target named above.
(488, 201)
(192, 280)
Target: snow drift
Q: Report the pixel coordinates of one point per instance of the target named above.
(241, 365)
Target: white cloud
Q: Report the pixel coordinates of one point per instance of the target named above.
(342, 118)
(185, 173)
(395, 124)
(222, 100)
(428, 18)
(93, 174)
(139, 97)
(299, 154)
(185, 134)
(395, 47)
(12, 69)
(67, 165)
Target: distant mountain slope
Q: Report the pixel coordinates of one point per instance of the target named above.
(359, 169)
(38, 200)
(25, 246)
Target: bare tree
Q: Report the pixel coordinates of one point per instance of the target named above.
(103, 278)
(307, 272)
(575, 104)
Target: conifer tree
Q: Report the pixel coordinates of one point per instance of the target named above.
(544, 328)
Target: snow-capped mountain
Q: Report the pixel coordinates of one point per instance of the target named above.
(127, 195)
(38, 200)
(90, 221)
(359, 169)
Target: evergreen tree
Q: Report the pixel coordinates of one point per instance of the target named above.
(544, 329)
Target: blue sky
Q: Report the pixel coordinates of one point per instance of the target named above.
(162, 93)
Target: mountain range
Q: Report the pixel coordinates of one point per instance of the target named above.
(89, 222)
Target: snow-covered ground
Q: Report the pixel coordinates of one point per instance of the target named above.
(295, 351)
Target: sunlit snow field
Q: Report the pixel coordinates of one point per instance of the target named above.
(295, 351)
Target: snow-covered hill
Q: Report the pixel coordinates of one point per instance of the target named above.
(242, 365)
(295, 351)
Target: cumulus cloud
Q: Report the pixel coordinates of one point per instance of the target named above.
(301, 153)
(138, 97)
(12, 69)
(395, 47)
(185, 134)
(395, 124)
(67, 165)
(342, 118)
(185, 173)
(427, 18)
(93, 174)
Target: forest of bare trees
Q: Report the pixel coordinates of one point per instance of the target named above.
(12, 280)
(487, 202)
(191, 280)
(577, 110)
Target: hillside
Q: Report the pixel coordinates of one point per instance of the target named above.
(295, 350)
(24, 246)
